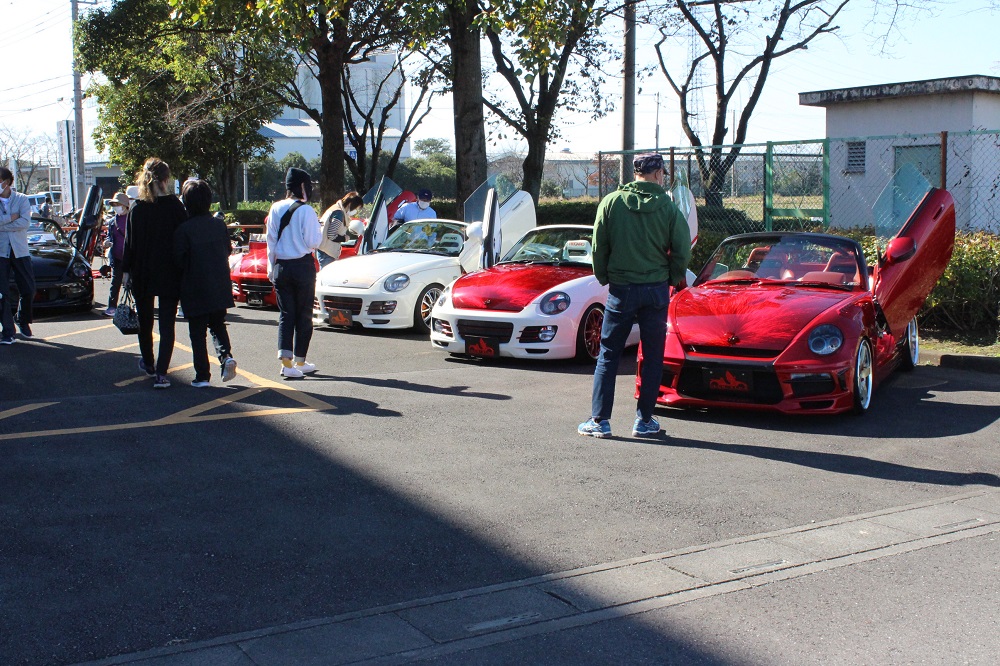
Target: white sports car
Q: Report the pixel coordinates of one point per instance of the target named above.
(395, 283)
(540, 301)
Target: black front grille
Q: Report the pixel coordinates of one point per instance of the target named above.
(343, 303)
(501, 330)
(766, 389)
(738, 352)
(257, 286)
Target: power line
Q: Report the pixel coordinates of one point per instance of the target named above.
(35, 94)
(35, 83)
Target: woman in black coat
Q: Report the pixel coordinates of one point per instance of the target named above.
(148, 264)
(201, 250)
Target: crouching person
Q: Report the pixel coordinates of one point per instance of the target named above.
(201, 250)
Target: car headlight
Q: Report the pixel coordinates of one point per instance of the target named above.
(444, 296)
(396, 282)
(825, 339)
(79, 270)
(554, 303)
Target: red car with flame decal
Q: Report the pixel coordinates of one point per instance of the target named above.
(798, 322)
(541, 301)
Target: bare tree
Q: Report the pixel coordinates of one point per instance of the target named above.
(30, 152)
(737, 41)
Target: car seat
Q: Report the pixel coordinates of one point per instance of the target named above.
(843, 263)
(579, 251)
(451, 242)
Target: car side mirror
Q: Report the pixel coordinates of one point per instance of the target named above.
(899, 250)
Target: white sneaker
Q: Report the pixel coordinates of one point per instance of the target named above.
(306, 368)
(229, 369)
(291, 373)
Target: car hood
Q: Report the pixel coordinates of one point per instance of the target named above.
(252, 263)
(751, 317)
(510, 287)
(50, 262)
(363, 271)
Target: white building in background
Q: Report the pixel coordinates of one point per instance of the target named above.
(576, 173)
(293, 131)
(874, 130)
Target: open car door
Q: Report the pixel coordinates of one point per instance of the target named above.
(921, 222)
(91, 223)
(684, 199)
(514, 214)
(492, 233)
(378, 220)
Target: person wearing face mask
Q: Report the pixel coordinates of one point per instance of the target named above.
(418, 210)
(116, 246)
(293, 234)
(334, 221)
(642, 245)
(15, 217)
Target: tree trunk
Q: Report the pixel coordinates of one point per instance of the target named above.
(331, 66)
(534, 164)
(467, 93)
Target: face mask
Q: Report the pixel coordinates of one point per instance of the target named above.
(422, 205)
(5, 186)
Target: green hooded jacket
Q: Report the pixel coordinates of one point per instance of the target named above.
(640, 237)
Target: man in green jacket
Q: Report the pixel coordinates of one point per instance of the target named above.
(642, 246)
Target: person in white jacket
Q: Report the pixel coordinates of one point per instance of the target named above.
(15, 217)
(293, 234)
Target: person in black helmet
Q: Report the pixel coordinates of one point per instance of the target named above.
(293, 234)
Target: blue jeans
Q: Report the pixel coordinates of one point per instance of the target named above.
(626, 305)
(295, 282)
(323, 258)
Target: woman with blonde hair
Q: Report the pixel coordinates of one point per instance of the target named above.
(148, 264)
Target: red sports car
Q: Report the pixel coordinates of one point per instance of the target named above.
(248, 270)
(797, 322)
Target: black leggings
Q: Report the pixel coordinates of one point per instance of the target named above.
(167, 312)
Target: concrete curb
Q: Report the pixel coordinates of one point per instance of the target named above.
(989, 364)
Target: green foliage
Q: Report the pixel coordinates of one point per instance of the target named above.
(551, 188)
(428, 147)
(966, 298)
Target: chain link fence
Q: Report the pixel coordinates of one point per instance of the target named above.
(829, 182)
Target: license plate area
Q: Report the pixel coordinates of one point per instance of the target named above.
(485, 347)
(339, 317)
(255, 300)
(728, 380)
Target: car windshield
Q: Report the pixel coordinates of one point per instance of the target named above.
(787, 259)
(46, 232)
(431, 236)
(553, 246)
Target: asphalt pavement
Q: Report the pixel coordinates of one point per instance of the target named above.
(401, 507)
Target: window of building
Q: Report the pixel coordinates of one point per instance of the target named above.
(855, 157)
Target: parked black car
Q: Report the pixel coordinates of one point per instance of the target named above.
(63, 277)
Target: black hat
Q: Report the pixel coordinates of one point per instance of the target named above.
(424, 194)
(296, 177)
(647, 163)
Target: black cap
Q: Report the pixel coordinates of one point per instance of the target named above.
(424, 194)
(647, 163)
(296, 177)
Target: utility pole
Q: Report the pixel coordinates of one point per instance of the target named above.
(80, 166)
(628, 95)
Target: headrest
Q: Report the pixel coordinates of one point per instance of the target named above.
(578, 250)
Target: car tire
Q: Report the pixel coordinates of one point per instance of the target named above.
(911, 347)
(863, 382)
(423, 307)
(588, 334)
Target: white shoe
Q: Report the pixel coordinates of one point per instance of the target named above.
(291, 373)
(229, 369)
(306, 368)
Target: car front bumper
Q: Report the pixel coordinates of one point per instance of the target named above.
(515, 333)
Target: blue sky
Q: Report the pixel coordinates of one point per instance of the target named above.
(958, 39)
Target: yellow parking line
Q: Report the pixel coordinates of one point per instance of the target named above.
(107, 351)
(25, 408)
(85, 330)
